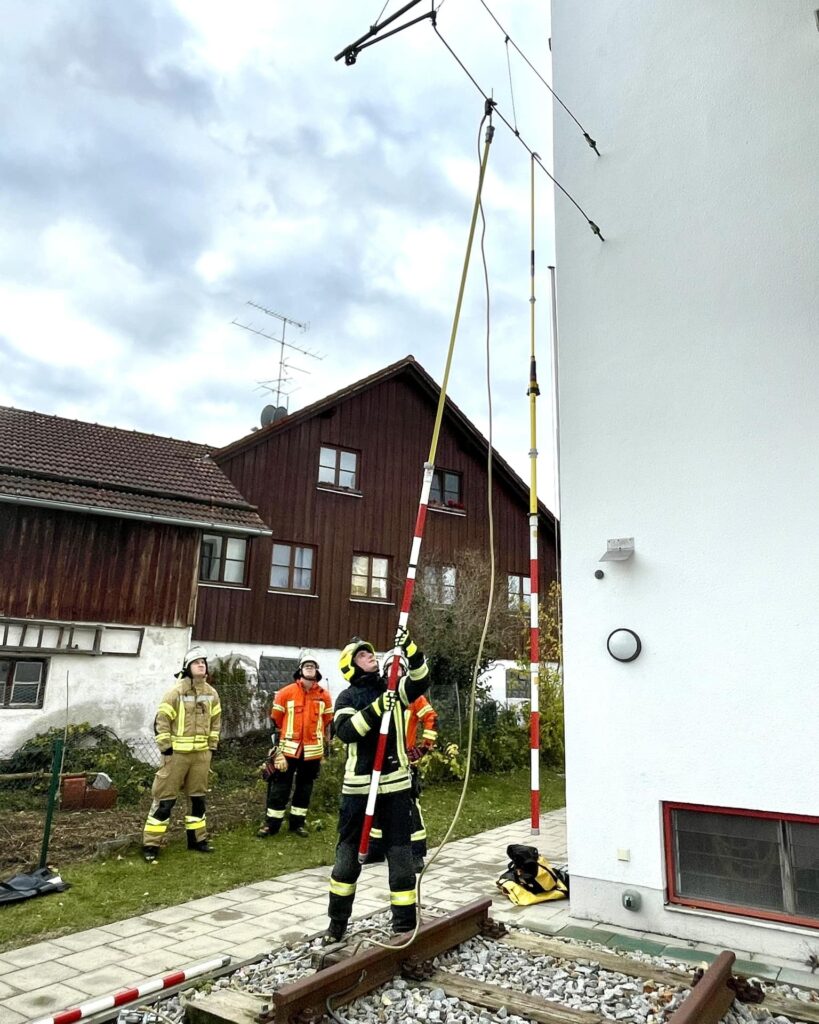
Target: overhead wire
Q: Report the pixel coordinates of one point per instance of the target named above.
(595, 229)
(511, 87)
(508, 40)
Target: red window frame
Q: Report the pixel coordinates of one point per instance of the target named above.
(725, 908)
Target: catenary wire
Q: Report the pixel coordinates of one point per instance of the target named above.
(509, 40)
(595, 229)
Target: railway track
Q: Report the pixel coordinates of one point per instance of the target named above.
(465, 969)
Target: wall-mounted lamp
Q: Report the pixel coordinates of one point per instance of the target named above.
(618, 549)
(624, 644)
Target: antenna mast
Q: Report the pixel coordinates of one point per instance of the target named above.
(275, 385)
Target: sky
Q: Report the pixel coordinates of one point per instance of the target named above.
(166, 161)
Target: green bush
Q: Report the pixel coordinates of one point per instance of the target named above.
(88, 748)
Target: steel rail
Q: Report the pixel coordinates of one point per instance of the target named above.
(347, 980)
(709, 1000)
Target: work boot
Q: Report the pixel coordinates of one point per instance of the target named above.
(150, 853)
(300, 830)
(203, 846)
(265, 833)
(335, 933)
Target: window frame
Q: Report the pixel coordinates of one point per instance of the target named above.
(5, 699)
(223, 560)
(370, 596)
(520, 600)
(456, 504)
(524, 680)
(292, 568)
(737, 910)
(437, 590)
(334, 485)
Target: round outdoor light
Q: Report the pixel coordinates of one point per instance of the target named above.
(624, 645)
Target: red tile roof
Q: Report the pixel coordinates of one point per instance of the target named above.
(69, 462)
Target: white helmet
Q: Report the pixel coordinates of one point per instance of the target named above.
(194, 654)
(388, 659)
(305, 654)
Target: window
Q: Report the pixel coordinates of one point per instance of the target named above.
(518, 685)
(439, 584)
(752, 863)
(22, 683)
(520, 591)
(446, 489)
(291, 568)
(338, 468)
(222, 559)
(370, 577)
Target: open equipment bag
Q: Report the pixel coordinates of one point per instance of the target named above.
(530, 878)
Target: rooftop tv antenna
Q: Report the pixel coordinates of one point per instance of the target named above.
(276, 385)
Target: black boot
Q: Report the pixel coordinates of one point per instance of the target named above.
(335, 933)
(198, 845)
(150, 853)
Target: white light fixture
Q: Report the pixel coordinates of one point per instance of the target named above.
(624, 644)
(618, 549)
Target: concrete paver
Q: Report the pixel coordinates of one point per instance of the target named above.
(248, 921)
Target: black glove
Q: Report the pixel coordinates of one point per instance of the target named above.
(386, 702)
(404, 641)
(167, 753)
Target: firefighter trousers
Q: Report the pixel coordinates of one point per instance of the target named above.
(298, 780)
(394, 815)
(180, 773)
(418, 830)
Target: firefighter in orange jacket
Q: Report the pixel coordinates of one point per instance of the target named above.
(420, 714)
(301, 714)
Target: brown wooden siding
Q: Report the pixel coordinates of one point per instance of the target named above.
(69, 566)
(391, 426)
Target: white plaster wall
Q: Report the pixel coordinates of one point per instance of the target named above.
(689, 359)
(121, 692)
(494, 677)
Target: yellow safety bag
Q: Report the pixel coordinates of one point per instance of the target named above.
(530, 878)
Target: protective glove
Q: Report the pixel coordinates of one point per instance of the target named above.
(405, 642)
(385, 702)
(280, 762)
(167, 753)
(415, 754)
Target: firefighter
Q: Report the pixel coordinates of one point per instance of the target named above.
(420, 713)
(187, 726)
(302, 713)
(356, 722)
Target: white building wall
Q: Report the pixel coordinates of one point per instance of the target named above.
(120, 692)
(689, 359)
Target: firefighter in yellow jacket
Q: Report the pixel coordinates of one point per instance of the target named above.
(187, 727)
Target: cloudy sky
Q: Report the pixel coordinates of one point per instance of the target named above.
(164, 161)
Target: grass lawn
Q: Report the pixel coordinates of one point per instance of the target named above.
(125, 886)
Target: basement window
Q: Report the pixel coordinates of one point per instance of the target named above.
(754, 863)
(22, 682)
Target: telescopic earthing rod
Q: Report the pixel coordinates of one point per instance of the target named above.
(420, 521)
(534, 624)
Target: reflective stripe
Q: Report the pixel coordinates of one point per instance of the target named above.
(424, 711)
(278, 707)
(419, 673)
(215, 709)
(163, 739)
(342, 712)
(192, 823)
(275, 814)
(190, 744)
(342, 888)
(288, 727)
(360, 724)
(167, 709)
(155, 826)
(416, 837)
(300, 812)
(429, 734)
(406, 898)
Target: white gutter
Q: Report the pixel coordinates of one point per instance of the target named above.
(146, 517)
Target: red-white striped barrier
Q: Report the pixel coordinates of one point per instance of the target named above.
(128, 995)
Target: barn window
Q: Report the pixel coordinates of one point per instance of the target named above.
(22, 682)
(292, 568)
(519, 591)
(222, 559)
(370, 577)
(445, 489)
(338, 468)
(439, 584)
(753, 863)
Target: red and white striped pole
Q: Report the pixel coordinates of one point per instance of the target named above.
(420, 520)
(129, 995)
(534, 624)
